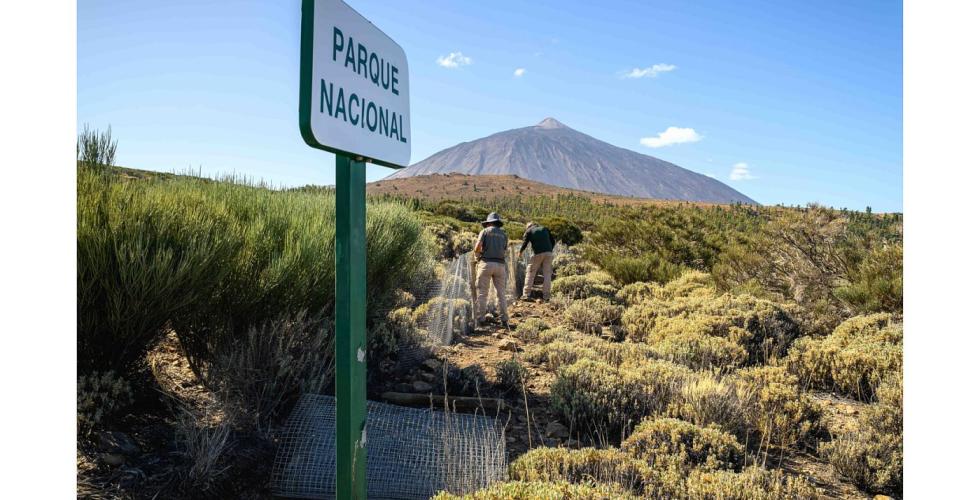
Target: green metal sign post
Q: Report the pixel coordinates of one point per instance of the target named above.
(351, 339)
(353, 102)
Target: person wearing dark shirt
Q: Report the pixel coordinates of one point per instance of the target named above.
(542, 244)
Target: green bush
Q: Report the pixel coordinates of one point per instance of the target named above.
(459, 211)
(214, 259)
(853, 359)
(876, 285)
(591, 314)
(872, 456)
(594, 396)
(562, 229)
(510, 374)
(754, 483)
(583, 286)
(634, 268)
(669, 442)
(538, 490)
(145, 255)
(585, 465)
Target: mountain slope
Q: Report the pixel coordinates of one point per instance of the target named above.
(555, 154)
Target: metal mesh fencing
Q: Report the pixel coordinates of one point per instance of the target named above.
(411, 453)
(520, 262)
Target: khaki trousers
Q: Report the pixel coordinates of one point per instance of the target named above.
(539, 261)
(485, 273)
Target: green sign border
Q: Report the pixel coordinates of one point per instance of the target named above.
(306, 89)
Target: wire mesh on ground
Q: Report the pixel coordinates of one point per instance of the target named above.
(411, 453)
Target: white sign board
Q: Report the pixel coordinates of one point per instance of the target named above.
(353, 86)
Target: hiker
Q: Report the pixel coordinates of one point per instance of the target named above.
(542, 244)
(490, 250)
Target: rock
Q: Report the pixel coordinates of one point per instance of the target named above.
(113, 459)
(508, 345)
(432, 364)
(428, 377)
(118, 442)
(419, 386)
(556, 430)
(403, 387)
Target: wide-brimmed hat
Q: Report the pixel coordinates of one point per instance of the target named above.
(492, 218)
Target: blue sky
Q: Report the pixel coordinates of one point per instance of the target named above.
(788, 102)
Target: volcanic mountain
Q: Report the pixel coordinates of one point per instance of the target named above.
(555, 154)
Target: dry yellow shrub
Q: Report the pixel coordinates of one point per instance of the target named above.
(538, 490)
(754, 483)
(586, 465)
(666, 442)
(854, 359)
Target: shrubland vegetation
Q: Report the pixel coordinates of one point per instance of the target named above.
(687, 342)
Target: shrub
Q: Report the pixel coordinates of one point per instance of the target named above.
(872, 456)
(570, 264)
(583, 286)
(562, 229)
(669, 442)
(754, 483)
(633, 268)
(100, 396)
(763, 328)
(591, 314)
(777, 411)
(701, 352)
(876, 284)
(531, 329)
(853, 359)
(571, 347)
(459, 211)
(586, 465)
(538, 490)
(214, 259)
(705, 400)
(96, 150)
(144, 257)
(510, 374)
(204, 445)
(261, 372)
(597, 396)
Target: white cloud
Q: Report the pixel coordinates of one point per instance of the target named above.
(454, 60)
(519, 72)
(650, 72)
(673, 135)
(740, 172)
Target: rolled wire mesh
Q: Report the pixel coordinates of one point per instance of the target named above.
(520, 263)
(411, 453)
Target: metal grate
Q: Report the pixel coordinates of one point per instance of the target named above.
(412, 453)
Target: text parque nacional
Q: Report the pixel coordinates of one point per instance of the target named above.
(357, 110)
